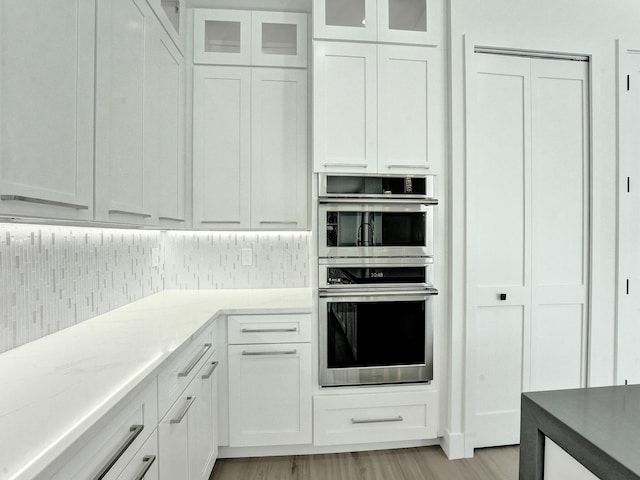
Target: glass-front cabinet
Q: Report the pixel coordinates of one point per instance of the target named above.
(394, 21)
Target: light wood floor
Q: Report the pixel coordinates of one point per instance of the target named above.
(428, 463)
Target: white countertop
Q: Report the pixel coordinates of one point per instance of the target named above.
(54, 389)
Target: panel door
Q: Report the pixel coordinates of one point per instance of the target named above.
(269, 394)
(344, 105)
(499, 211)
(628, 328)
(221, 37)
(410, 21)
(175, 434)
(279, 149)
(221, 147)
(46, 108)
(205, 413)
(169, 165)
(559, 223)
(410, 108)
(345, 19)
(279, 39)
(124, 119)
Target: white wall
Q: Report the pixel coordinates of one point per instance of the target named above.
(587, 27)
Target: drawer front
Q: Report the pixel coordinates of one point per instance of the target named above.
(118, 436)
(285, 328)
(179, 371)
(345, 419)
(144, 464)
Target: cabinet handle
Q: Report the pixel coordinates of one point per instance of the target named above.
(220, 221)
(173, 219)
(206, 376)
(147, 461)
(134, 430)
(377, 420)
(269, 222)
(20, 198)
(284, 352)
(194, 361)
(270, 330)
(421, 167)
(126, 212)
(346, 165)
(184, 411)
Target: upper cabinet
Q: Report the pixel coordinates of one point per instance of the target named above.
(46, 108)
(240, 37)
(388, 21)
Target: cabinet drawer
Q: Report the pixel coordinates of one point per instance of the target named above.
(180, 370)
(344, 419)
(115, 440)
(144, 463)
(285, 328)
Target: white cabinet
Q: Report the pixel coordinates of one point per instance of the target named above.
(206, 411)
(241, 37)
(375, 417)
(171, 14)
(250, 150)
(221, 147)
(269, 383)
(377, 108)
(46, 108)
(124, 121)
(391, 21)
(144, 464)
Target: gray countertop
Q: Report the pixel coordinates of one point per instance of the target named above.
(599, 427)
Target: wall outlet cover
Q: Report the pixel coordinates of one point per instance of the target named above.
(247, 257)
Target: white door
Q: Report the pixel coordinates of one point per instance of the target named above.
(628, 327)
(279, 148)
(221, 147)
(527, 235)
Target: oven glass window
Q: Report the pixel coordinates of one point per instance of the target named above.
(370, 229)
(371, 334)
(375, 275)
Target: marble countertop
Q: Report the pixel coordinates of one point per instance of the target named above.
(54, 389)
(599, 427)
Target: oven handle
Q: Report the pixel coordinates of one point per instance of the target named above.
(374, 293)
(378, 200)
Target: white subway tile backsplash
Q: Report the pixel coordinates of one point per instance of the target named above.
(52, 277)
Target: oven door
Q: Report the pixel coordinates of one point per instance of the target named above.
(375, 229)
(376, 338)
(335, 274)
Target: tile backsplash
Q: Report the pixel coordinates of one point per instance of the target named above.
(53, 277)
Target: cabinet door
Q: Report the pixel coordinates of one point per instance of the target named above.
(345, 19)
(145, 463)
(410, 108)
(269, 394)
(169, 137)
(124, 121)
(46, 108)
(279, 39)
(221, 36)
(221, 147)
(410, 21)
(175, 435)
(205, 412)
(344, 105)
(279, 149)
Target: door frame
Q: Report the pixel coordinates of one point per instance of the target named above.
(468, 375)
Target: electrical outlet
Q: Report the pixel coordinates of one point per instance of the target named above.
(155, 257)
(247, 257)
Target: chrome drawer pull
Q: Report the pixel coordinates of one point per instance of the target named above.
(43, 201)
(289, 352)
(422, 167)
(378, 420)
(184, 411)
(134, 430)
(266, 330)
(195, 361)
(347, 165)
(127, 212)
(147, 461)
(206, 376)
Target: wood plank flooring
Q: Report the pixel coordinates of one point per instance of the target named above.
(427, 463)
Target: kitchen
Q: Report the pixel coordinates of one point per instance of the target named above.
(65, 282)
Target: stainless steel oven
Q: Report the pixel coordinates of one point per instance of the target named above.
(375, 229)
(376, 337)
(362, 274)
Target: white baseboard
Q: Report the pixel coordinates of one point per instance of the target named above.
(453, 445)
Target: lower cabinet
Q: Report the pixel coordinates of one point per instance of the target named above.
(144, 464)
(269, 394)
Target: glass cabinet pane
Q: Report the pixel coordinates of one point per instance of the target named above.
(408, 15)
(346, 13)
(279, 39)
(222, 36)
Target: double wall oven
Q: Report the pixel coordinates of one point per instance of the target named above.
(376, 280)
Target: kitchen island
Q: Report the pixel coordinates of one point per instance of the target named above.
(599, 429)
